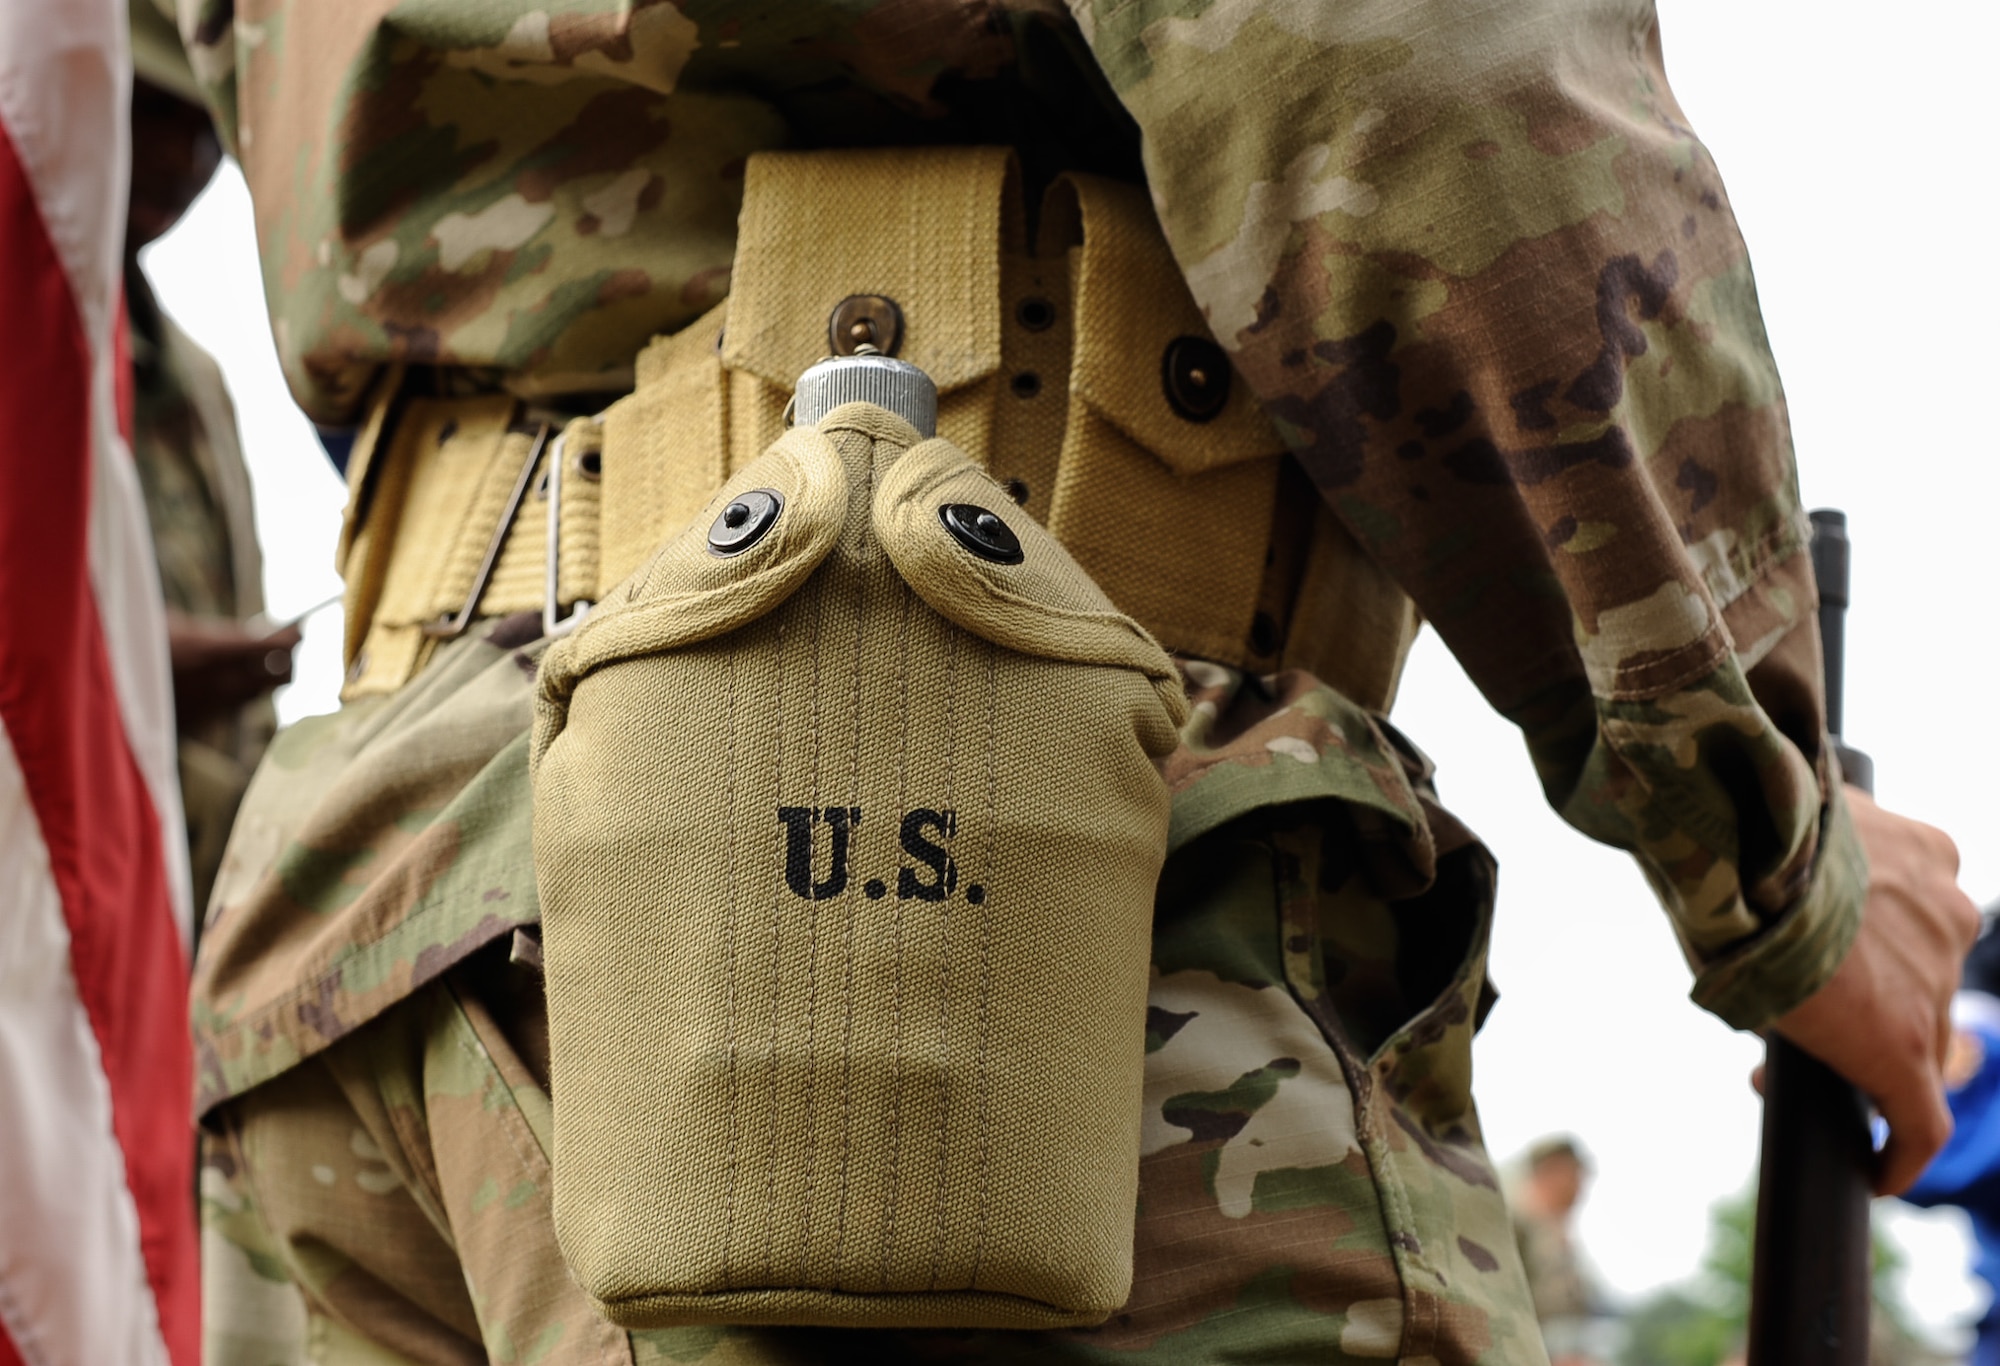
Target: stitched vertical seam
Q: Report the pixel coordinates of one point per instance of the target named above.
(777, 943)
(847, 994)
(812, 943)
(988, 872)
(735, 1106)
(896, 1011)
(952, 637)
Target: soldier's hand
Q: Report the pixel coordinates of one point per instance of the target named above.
(218, 666)
(1883, 1021)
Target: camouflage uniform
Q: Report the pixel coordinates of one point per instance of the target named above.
(198, 504)
(1485, 281)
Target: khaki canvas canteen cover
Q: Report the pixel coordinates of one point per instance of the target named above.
(847, 824)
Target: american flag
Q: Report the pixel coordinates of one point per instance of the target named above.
(97, 1244)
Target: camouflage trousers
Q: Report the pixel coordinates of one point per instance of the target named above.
(1313, 1186)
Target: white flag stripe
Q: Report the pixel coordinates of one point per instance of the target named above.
(72, 1286)
(65, 89)
(125, 579)
(97, 1249)
(64, 96)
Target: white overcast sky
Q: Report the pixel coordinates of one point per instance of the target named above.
(1856, 144)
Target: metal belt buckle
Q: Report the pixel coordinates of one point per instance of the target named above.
(553, 622)
(451, 627)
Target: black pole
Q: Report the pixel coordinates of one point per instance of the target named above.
(1810, 1280)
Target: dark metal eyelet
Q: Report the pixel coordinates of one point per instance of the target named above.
(1035, 313)
(1265, 637)
(982, 532)
(1026, 384)
(747, 519)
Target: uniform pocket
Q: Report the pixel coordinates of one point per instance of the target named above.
(847, 824)
(1385, 925)
(1388, 914)
(1163, 445)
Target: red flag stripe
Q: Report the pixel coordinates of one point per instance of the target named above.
(98, 829)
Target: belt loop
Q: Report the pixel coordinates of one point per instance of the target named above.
(451, 627)
(553, 622)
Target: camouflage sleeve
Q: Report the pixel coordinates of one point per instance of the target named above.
(1485, 279)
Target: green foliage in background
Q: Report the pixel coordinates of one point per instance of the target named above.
(1702, 1321)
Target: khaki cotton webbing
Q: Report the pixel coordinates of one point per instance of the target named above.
(672, 442)
(1049, 365)
(1139, 487)
(921, 226)
(436, 493)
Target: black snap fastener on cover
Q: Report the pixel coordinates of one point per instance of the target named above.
(745, 521)
(865, 320)
(1195, 373)
(981, 532)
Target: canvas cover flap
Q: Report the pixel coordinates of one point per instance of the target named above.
(1045, 606)
(920, 226)
(1131, 302)
(686, 593)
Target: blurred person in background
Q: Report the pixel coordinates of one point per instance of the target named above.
(191, 470)
(1967, 1173)
(1567, 1300)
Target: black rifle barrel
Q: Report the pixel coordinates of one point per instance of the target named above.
(1810, 1280)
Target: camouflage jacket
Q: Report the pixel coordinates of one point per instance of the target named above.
(1468, 254)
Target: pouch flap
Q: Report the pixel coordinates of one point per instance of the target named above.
(919, 226)
(687, 593)
(1045, 605)
(1132, 306)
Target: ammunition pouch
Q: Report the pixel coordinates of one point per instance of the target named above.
(1079, 374)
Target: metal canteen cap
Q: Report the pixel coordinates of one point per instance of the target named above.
(863, 377)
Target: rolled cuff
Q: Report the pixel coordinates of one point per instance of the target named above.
(1764, 977)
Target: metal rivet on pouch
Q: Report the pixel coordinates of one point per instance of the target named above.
(981, 532)
(746, 521)
(1195, 375)
(1027, 384)
(865, 320)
